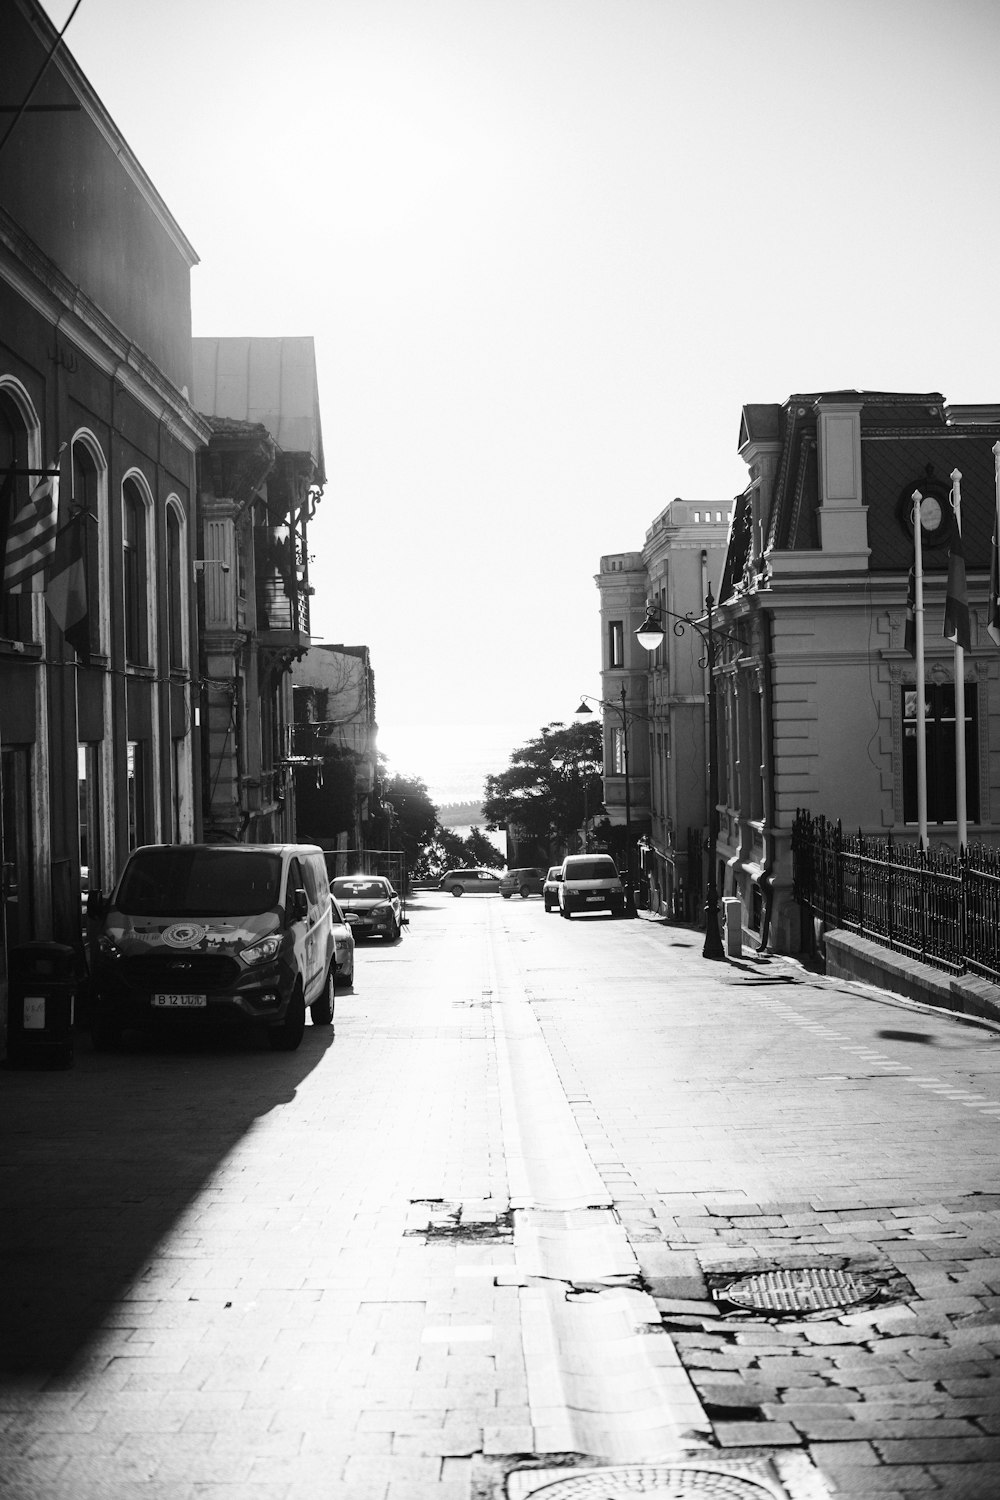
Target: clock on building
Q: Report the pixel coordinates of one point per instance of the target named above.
(935, 511)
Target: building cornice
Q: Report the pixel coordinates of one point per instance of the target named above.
(29, 272)
(66, 64)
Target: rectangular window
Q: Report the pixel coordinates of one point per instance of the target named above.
(135, 763)
(90, 814)
(616, 643)
(940, 740)
(618, 752)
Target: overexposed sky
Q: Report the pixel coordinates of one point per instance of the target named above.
(547, 249)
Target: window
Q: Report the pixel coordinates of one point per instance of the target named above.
(618, 752)
(616, 643)
(90, 814)
(136, 778)
(15, 621)
(175, 590)
(135, 574)
(85, 503)
(940, 738)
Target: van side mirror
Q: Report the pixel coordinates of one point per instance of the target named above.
(298, 905)
(98, 906)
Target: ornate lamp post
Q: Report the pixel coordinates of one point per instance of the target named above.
(650, 635)
(625, 716)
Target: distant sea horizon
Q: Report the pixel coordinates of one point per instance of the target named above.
(452, 760)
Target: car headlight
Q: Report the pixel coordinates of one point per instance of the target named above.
(259, 953)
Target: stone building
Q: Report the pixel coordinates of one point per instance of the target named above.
(817, 689)
(665, 704)
(259, 483)
(97, 745)
(335, 746)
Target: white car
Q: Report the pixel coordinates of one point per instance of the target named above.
(343, 947)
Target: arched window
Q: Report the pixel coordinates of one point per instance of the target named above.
(136, 573)
(15, 485)
(176, 592)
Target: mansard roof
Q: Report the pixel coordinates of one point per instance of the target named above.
(905, 438)
(907, 442)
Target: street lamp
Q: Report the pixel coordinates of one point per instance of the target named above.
(623, 712)
(650, 635)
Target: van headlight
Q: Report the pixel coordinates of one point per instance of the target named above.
(260, 953)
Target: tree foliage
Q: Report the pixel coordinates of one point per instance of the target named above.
(413, 818)
(553, 784)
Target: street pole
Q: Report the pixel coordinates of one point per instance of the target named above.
(713, 938)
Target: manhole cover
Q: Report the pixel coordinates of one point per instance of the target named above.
(669, 1481)
(806, 1290)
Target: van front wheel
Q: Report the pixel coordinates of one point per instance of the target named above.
(321, 1009)
(287, 1036)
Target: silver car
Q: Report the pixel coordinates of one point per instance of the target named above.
(476, 879)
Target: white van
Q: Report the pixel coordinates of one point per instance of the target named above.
(196, 934)
(590, 882)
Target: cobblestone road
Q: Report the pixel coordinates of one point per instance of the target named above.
(413, 1258)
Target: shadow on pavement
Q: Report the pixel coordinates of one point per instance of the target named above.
(98, 1163)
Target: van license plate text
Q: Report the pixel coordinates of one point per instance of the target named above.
(181, 1002)
(595, 898)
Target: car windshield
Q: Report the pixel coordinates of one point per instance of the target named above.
(591, 869)
(195, 882)
(348, 888)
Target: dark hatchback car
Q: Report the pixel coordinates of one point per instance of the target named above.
(370, 905)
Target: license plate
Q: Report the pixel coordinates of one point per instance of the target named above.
(595, 898)
(180, 1002)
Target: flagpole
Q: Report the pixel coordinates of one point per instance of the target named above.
(961, 802)
(918, 611)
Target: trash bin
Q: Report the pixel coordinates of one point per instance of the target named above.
(732, 917)
(41, 999)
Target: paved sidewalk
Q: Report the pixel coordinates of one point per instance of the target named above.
(751, 1117)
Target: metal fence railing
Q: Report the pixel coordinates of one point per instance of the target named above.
(941, 906)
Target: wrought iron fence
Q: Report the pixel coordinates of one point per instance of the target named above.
(938, 905)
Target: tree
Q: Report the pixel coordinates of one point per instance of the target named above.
(553, 784)
(482, 851)
(413, 818)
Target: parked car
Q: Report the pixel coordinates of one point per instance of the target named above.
(590, 882)
(523, 883)
(550, 888)
(343, 947)
(477, 879)
(370, 905)
(200, 933)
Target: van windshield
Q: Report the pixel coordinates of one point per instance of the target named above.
(192, 882)
(591, 869)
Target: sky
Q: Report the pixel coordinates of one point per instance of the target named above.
(547, 250)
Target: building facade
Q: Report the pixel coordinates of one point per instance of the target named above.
(259, 482)
(665, 708)
(335, 746)
(97, 748)
(816, 686)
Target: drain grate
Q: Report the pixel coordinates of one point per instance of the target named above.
(668, 1481)
(811, 1289)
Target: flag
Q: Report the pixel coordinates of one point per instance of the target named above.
(910, 633)
(956, 604)
(31, 538)
(66, 594)
(993, 615)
